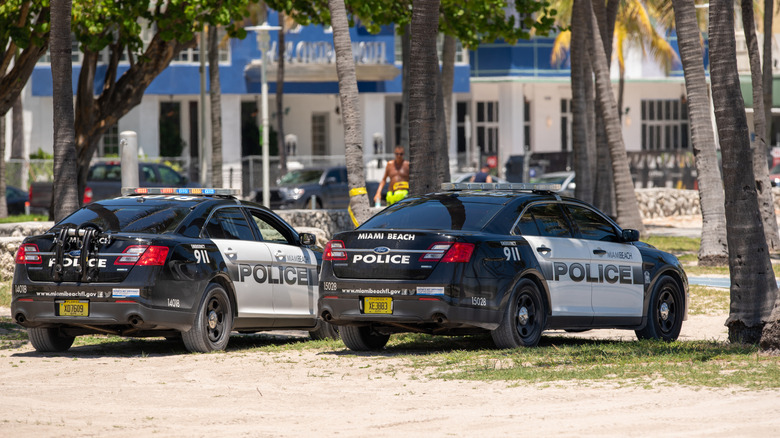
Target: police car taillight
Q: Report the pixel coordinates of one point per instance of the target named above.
(143, 255)
(332, 251)
(23, 256)
(435, 252)
(460, 252)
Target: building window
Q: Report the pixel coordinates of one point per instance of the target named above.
(109, 144)
(664, 124)
(487, 127)
(192, 55)
(171, 143)
(566, 118)
(319, 134)
(527, 125)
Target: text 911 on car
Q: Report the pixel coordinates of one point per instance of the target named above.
(196, 263)
(511, 259)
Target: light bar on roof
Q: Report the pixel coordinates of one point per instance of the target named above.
(127, 191)
(500, 186)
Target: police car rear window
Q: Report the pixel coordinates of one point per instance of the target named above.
(438, 213)
(157, 218)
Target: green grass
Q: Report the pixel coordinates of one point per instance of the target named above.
(24, 218)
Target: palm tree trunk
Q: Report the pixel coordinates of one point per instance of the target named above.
(280, 98)
(713, 250)
(3, 203)
(350, 110)
(627, 208)
(447, 77)
(215, 95)
(583, 156)
(768, 65)
(753, 286)
(17, 143)
(65, 197)
(406, 50)
(760, 168)
(422, 97)
(604, 197)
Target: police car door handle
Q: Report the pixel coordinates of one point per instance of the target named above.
(599, 251)
(230, 252)
(279, 255)
(542, 249)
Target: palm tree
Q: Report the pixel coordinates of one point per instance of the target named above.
(215, 95)
(422, 96)
(350, 110)
(767, 73)
(753, 287)
(760, 169)
(627, 208)
(3, 204)
(64, 196)
(282, 149)
(713, 250)
(583, 148)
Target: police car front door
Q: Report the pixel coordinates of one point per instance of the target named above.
(294, 269)
(616, 266)
(562, 260)
(248, 261)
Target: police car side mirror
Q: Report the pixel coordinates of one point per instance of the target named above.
(630, 235)
(307, 239)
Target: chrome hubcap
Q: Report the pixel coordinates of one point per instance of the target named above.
(522, 315)
(664, 311)
(213, 320)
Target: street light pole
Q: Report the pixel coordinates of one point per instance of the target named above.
(262, 43)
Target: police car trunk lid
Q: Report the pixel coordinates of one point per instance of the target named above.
(60, 257)
(389, 254)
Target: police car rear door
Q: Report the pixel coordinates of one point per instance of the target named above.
(562, 260)
(248, 260)
(616, 266)
(294, 273)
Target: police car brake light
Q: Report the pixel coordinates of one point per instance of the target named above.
(143, 255)
(460, 252)
(450, 186)
(435, 252)
(332, 251)
(194, 191)
(24, 258)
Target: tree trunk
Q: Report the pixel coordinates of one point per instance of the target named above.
(350, 110)
(627, 208)
(768, 66)
(11, 84)
(753, 286)
(406, 50)
(280, 98)
(760, 169)
(64, 193)
(446, 79)
(422, 97)
(3, 203)
(17, 144)
(713, 250)
(604, 196)
(215, 96)
(583, 157)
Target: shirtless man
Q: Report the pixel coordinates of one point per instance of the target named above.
(398, 172)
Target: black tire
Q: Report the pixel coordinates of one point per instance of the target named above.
(324, 330)
(213, 322)
(664, 313)
(362, 338)
(524, 318)
(49, 340)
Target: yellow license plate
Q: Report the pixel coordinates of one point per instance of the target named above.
(378, 305)
(74, 308)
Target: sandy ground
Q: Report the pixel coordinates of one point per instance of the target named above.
(123, 391)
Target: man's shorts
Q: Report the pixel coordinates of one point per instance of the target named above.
(400, 191)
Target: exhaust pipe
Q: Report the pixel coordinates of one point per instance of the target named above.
(439, 318)
(327, 316)
(20, 318)
(135, 320)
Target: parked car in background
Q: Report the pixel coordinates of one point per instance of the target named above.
(312, 187)
(564, 178)
(104, 180)
(774, 176)
(15, 199)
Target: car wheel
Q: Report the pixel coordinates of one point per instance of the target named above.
(524, 318)
(213, 322)
(49, 340)
(664, 313)
(324, 330)
(362, 338)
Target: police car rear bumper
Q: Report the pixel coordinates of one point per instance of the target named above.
(43, 313)
(339, 309)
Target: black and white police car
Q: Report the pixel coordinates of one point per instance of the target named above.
(512, 259)
(196, 263)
